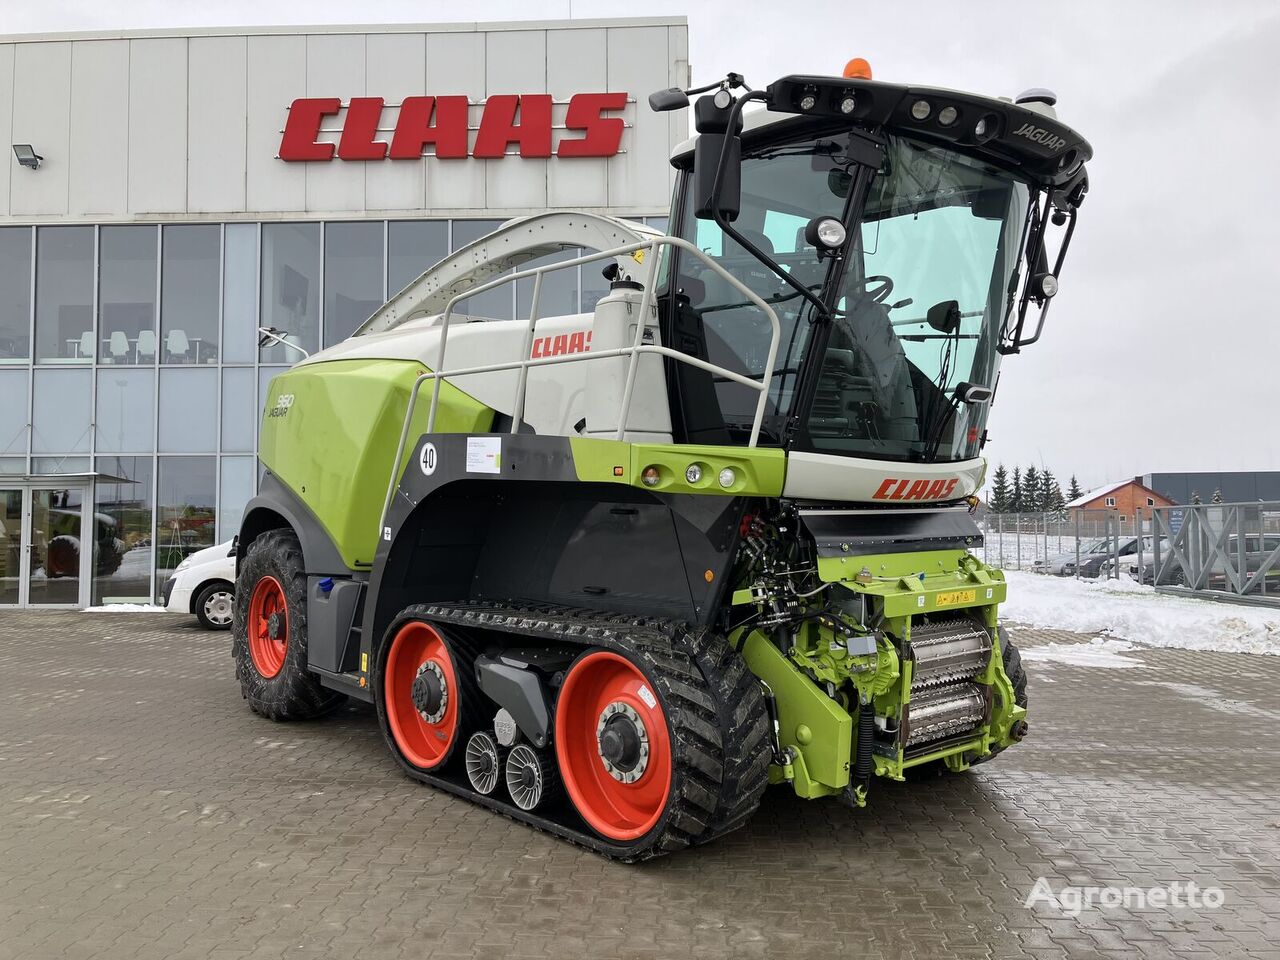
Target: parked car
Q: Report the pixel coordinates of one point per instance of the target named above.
(1127, 565)
(204, 584)
(1099, 564)
(1257, 550)
(1057, 564)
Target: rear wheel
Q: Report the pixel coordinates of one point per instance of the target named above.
(269, 632)
(215, 606)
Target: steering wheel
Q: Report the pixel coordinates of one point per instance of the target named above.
(881, 293)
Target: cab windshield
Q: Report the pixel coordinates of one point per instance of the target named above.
(916, 306)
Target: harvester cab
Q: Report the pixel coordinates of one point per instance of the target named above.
(612, 573)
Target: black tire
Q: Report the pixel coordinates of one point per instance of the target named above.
(744, 733)
(215, 605)
(293, 693)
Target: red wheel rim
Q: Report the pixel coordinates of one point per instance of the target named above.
(425, 743)
(615, 809)
(268, 627)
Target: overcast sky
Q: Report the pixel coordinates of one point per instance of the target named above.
(1162, 350)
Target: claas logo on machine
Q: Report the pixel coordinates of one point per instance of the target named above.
(891, 488)
(578, 342)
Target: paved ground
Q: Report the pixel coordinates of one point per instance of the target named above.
(146, 813)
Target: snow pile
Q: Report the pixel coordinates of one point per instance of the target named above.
(125, 608)
(1127, 610)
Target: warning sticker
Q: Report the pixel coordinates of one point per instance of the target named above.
(484, 454)
(954, 597)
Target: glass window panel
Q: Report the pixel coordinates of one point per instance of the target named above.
(353, 272)
(56, 518)
(413, 246)
(61, 411)
(495, 304)
(12, 466)
(10, 543)
(559, 289)
(126, 412)
(50, 466)
(189, 294)
(126, 294)
(239, 410)
(185, 513)
(122, 507)
(237, 491)
(594, 285)
(15, 293)
(64, 294)
(13, 411)
(240, 294)
(658, 223)
(188, 411)
(291, 288)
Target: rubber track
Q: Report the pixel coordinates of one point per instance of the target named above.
(714, 791)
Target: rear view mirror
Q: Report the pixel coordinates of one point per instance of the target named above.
(944, 317)
(716, 140)
(670, 99)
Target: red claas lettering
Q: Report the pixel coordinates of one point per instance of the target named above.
(892, 488)
(442, 124)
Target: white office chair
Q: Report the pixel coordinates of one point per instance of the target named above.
(86, 344)
(176, 345)
(119, 347)
(146, 346)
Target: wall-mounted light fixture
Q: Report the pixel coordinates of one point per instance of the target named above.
(27, 156)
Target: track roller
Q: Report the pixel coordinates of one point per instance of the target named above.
(484, 760)
(531, 777)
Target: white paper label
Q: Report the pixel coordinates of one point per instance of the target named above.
(484, 454)
(647, 696)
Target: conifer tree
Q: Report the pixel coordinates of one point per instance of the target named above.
(998, 502)
(1031, 490)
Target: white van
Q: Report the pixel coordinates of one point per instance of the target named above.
(204, 584)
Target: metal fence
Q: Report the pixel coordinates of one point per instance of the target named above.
(1086, 544)
(1219, 551)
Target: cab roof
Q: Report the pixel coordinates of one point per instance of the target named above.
(1025, 135)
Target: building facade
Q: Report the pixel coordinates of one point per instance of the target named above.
(195, 188)
(1230, 486)
(1130, 498)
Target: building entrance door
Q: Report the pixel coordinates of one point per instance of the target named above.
(46, 545)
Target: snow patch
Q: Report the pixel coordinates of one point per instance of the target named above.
(1100, 652)
(1127, 610)
(125, 608)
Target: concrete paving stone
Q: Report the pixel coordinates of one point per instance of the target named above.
(145, 812)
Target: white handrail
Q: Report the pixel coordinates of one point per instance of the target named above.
(633, 351)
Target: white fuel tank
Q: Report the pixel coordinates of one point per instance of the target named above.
(616, 320)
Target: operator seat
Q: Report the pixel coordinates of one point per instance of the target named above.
(866, 336)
